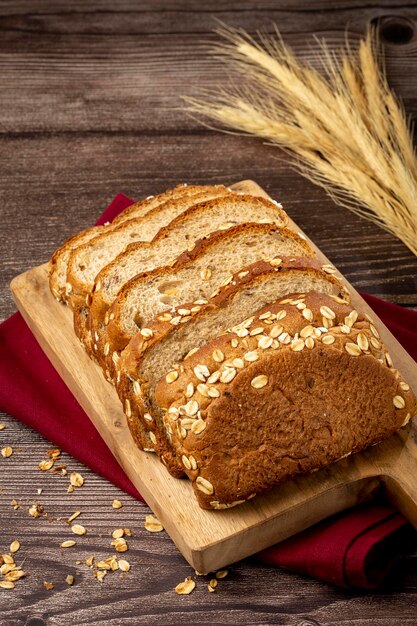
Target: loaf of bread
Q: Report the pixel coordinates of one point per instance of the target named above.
(281, 394)
(236, 354)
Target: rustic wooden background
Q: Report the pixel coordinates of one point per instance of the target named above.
(89, 106)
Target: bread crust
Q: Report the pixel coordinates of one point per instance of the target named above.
(179, 191)
(60, 256)
(293, 409)
(126, 366)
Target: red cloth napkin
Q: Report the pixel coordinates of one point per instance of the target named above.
(352, 549)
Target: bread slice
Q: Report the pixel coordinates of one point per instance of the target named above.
(292, 396)
(88, 259)
(196, 222)
(161, 346)
(58, 264)
(194, 275)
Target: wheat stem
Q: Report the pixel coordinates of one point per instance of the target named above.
(344, 127)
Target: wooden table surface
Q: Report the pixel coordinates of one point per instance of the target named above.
(89, 106)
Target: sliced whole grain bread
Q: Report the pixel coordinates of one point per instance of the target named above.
(88, 259)
(194, 276)
(179, 235)
(195, 222)
(247, 413)
(58, 264)
(165, 341)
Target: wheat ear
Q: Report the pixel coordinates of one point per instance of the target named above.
(344, 127)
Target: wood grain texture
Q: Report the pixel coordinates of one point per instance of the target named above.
(212, 540)
(89, 107)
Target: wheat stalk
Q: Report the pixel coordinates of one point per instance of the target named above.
(344, 126)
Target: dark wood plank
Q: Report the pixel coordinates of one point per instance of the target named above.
(252, 593)
(43, 187)
(117, 83)
(90, 106)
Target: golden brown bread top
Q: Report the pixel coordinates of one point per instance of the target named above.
(227, 396)
(147, 343)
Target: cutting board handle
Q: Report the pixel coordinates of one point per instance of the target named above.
(398, 465)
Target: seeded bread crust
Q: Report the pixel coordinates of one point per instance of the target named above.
(133, 388)
(109, 334)
(59, 262)
(133, 229)
(251, 410)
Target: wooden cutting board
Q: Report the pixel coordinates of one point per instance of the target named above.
(213, 539)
